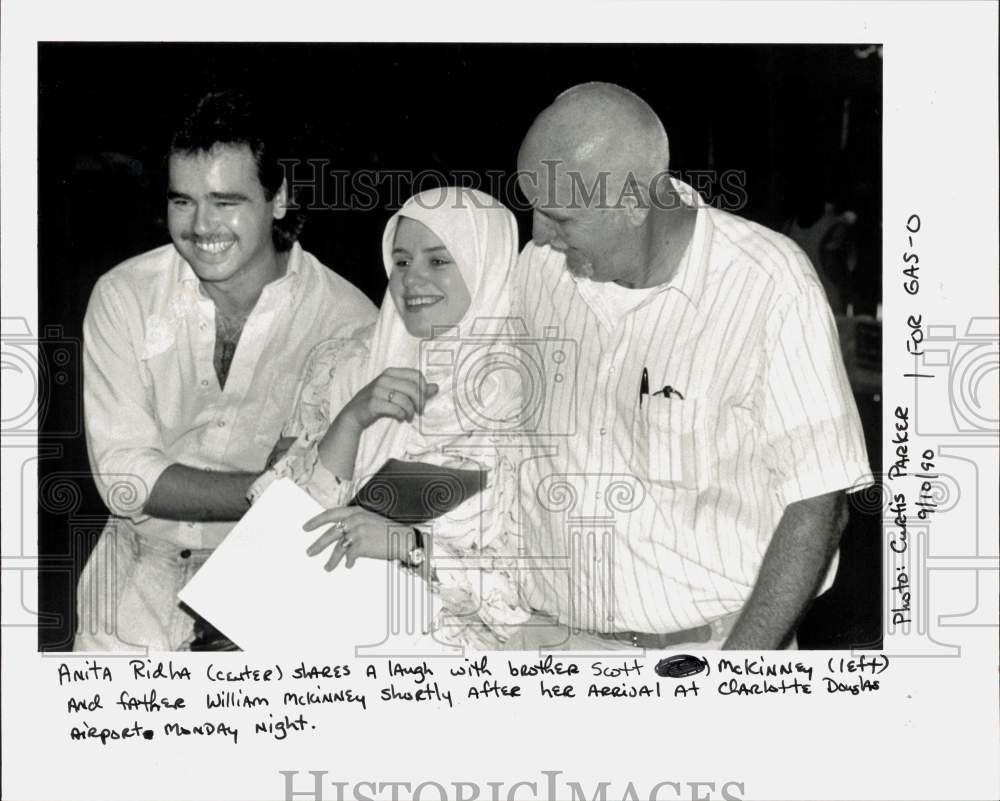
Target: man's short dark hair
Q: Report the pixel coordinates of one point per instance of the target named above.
(233, 118)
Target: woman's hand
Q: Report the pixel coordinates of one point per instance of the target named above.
(399, 393)
(357, 532)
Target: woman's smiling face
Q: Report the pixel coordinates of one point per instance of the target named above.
(425, 282)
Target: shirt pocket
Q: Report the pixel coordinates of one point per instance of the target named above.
(667, 433)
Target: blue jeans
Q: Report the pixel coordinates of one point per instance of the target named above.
(127, 594)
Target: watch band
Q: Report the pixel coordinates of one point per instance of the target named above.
(416, 555)
(418, 538)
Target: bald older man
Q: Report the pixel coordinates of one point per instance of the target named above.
(706, 432)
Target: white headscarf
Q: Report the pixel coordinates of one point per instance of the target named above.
(481, 236)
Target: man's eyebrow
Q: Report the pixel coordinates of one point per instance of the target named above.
(547, 212)
(224, 196)
(227, 196)
(401, 250)
(436, 247)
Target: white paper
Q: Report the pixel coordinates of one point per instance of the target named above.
(263, 591)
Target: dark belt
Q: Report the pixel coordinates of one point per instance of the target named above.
(654, 642)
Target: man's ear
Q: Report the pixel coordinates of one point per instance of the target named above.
(280, 201)
(634, 201)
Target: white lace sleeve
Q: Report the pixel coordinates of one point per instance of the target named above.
(317, 391)
(324, 388)
(475, 549)
(302, 464)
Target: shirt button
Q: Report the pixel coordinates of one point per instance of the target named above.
(203, 326)
(185, 554)
(603, 431)
(221, 424)
(204, 382)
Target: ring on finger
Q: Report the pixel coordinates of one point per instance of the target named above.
(346, 541)
(391, 393)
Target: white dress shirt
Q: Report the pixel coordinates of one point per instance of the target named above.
(656, 517)
(151, 395)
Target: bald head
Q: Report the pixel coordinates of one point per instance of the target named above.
(599, 127)
(593, 166)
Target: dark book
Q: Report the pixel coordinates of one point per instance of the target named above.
(415, 492)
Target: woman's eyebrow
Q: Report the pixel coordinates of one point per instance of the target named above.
(432, 249)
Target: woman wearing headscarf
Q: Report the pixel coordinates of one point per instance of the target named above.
(437, 388)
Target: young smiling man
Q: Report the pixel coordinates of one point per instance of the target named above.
(192, 353)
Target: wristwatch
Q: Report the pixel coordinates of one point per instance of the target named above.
(416, 556)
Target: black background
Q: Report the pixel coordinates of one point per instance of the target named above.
(106, 112)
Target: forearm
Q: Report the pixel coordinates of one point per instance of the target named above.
(187, 493)
(339, 447)
(793, 567)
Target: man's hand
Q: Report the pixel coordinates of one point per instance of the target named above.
(356, 532)
(280, 449)
(800, 551)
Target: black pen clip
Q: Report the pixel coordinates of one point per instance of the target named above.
(643, 386)
(668, 391)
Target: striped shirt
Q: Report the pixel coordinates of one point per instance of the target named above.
(151, 396)
(655, 516)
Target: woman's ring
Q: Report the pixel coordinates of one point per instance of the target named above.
(391, 393)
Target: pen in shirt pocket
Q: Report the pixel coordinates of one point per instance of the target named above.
(645, 396)
(644, 386)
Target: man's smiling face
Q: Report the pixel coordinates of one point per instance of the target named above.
(576, 216)
(219, 217)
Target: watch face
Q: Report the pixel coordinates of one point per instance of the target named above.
(416, 557)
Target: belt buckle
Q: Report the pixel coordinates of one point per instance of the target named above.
(628, 637)
(635, 639)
